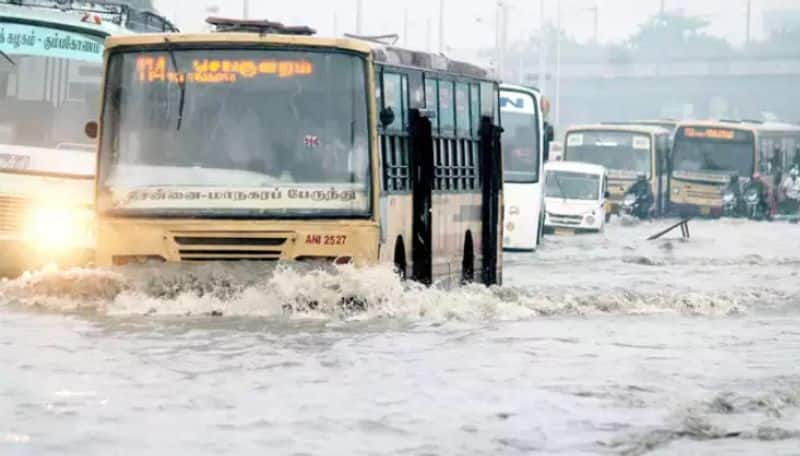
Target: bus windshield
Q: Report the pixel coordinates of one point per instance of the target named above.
(572, 185)
(520, 137)
(50, 82)
(718, 151)
(621, 152)
(236, 132)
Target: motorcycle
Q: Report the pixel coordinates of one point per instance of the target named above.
(755, 200)
(637, 202)
(732, 201)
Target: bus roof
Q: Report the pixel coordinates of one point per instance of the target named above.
(236, 38)
(669, 124)
(99, 17)
(576, 167)
(625, 127)
(381, 53)
(744, 125)
(58, 18)
(519, 88)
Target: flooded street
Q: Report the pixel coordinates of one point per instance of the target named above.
(597, 344)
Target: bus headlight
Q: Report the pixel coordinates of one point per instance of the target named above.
(590, 220)
(58, 227)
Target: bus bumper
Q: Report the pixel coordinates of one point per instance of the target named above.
(19, 256)
(127, 241)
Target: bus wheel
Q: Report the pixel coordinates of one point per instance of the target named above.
(468, 261)
(400, 257)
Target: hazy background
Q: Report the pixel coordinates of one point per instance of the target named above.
(616, 18)
(651, 58)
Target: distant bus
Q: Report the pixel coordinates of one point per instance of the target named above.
(262, 142)
(626, 151)
(51, 59)
(523, 148)
(707, 154)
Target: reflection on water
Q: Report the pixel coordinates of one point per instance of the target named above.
(596, 344)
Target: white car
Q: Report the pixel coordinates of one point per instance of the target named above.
(575, 196)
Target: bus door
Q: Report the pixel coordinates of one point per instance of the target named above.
(661, 174)
(491, 177)
(421, 163)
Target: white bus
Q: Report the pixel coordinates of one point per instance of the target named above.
(51, 69)
(523, 141)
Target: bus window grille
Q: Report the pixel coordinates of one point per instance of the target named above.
(395, 163)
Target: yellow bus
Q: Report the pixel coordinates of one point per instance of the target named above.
(707, 154)
(627, 151)
(261, 142)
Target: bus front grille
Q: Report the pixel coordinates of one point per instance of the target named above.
(565, 219)
(12, 214)
(205, 247)
(704, 195)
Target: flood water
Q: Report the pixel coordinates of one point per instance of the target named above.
(597, 344)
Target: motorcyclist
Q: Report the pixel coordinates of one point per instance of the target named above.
(757, 183)
(790, 191)
(735, 189)
(641, 189)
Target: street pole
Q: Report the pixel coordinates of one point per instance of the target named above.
(558, 67)
(503, 36)
(498, 51)
(749, 16)
(246, 9)
(542, 49)
(359, 17)
(596, 23)
(663, 8)
(405, 28)
(441, 27)
(429, 39)
(335, 24)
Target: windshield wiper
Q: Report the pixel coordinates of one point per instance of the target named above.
(181, 82)
(7, 57)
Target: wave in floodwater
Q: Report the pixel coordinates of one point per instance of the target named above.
(766, 416)
(306, 291)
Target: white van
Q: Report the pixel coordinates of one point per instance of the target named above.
(575, 196)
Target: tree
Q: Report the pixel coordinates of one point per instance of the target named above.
(677, 36)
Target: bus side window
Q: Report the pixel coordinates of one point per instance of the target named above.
(432, 101)
(489, 100)
(447, 111)
(475, 108)
(462, 110)
(395, 96)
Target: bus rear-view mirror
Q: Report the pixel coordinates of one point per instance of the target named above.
(91, 129)
(387, 116)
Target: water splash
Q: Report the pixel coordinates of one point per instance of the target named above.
(348, 293)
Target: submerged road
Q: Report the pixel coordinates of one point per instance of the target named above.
(597, 344)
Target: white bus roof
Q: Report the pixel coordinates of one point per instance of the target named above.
(623, 127)
(576, 167)
(519, 88)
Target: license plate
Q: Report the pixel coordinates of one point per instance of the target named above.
(564, 232)
(705, 210)
(13, 161)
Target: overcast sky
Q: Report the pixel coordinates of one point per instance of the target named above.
(470, 23)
